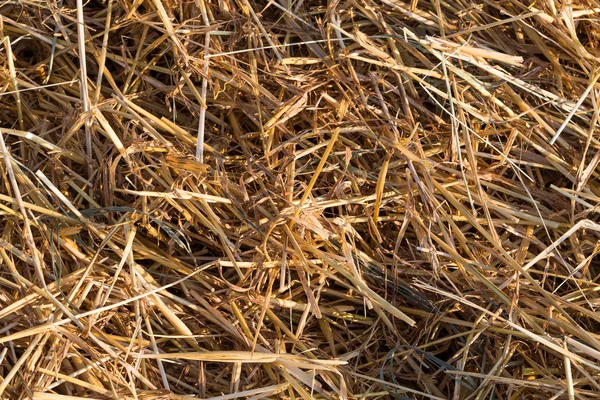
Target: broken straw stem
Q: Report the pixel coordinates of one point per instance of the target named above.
(202, 118)
(575, 108)
(85, 99)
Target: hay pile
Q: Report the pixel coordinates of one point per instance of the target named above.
(299, 199)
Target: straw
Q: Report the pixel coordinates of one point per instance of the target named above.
(393, 199)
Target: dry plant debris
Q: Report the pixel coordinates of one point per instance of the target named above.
(361, 199)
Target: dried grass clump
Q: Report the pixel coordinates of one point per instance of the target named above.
(362, 199)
